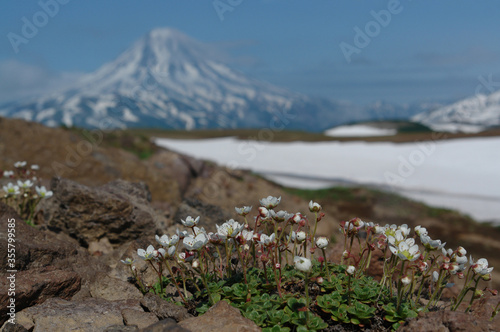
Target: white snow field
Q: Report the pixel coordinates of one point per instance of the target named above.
(461, 174)
(359, 131)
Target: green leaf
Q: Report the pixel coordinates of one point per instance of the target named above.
(302, 328)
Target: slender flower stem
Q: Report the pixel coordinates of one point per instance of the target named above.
(400, 283)
(315, 225)
(326, 265)
(308, 300)
(175, 283)
(278, 283)
(159, 275)
(243, 265)
(348, 289)
(473, 294)
(204, 281)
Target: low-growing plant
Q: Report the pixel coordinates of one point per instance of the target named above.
(275, 270)
(24, 195)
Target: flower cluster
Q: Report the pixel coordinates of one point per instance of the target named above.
(414, 267)
(23, 193)
(277, 242)
(274, 236)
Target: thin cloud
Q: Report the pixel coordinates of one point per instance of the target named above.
(19, 80)
(471, 56)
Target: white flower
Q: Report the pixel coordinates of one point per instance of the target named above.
(379, 229)
(419, 230)
(146, 254)
(405, 280)
(19, 164)
(25, 185)
(181, 234)
(405, 230)
(278, 216)
(229, 229)
(301, 236)
(247, 235)
(171, 250)
(243, 211)
(321, 242)
(215, 238)
(198, 230)
(481, 267)
(390, 230)
(350, 269)
(369, 224)
(292, 237)
(8, 174)
(195, 243)
(158, 254)
(435, 276)
(461, 260)
(11, 190)
(297, 218)
(183, 257)
(267, 240)
(406, 250)
(166, 241)
(270, 202)
(42, 192)
(302, 264)
(431, 244)
(264, 213)
(461, 252)
(190, 221)
(396, 238)
(447, 252)
(314, 207)
(35, 167)
(128, 261)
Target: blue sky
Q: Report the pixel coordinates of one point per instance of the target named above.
(425, 50)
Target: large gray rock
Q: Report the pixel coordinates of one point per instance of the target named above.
(37, 285)
(165, 325)
(163, 309)
(138, 318)
(119, 211)
(113, 289)
(177, 167)
(89, 315)
(222, 317)
(46, 264)
(35, 248)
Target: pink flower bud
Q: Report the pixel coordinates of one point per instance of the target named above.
(278, 266)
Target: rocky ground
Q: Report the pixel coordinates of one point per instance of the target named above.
(108, 202)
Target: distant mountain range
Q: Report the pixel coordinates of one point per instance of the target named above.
(168, 80)
(470, 115)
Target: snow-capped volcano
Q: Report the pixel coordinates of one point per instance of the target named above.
(470, 115)
(167, 79)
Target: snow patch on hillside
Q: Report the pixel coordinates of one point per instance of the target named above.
(359, 131)
(461, 174)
